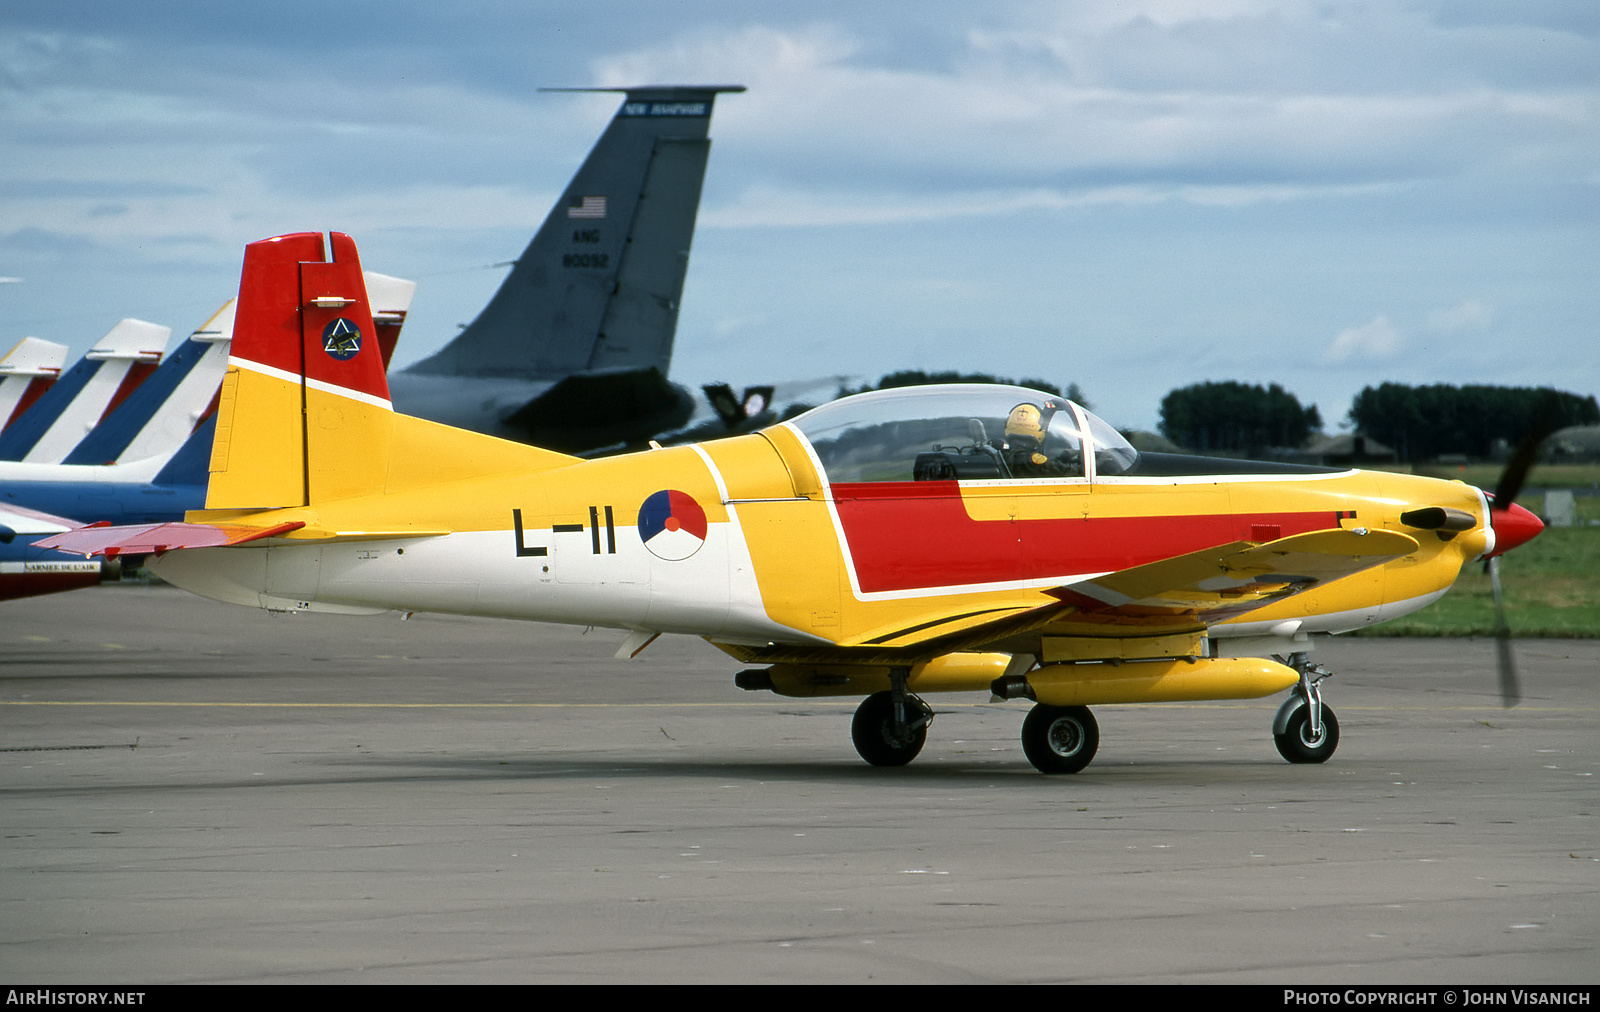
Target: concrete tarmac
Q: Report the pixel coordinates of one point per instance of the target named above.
(191, 792)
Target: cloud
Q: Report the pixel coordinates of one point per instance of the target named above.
(1470, 315)
(1345, 103)
(731, 328)
(1124, 176)
(760, 206)
(1375, 341)
(983, 110)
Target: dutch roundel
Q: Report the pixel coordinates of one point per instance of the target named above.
(672, 525)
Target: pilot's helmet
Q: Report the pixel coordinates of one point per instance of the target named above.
(1026, 421)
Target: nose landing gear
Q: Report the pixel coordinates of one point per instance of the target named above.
(1305, 730)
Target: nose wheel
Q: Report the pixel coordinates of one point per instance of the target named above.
(1300, 743)
(1305, 729)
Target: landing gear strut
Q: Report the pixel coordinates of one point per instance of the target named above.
(1305, 730)
(890, 727)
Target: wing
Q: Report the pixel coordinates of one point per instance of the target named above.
(1183, 594)
(1222, 583)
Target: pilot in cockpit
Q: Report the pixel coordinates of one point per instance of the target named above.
(1029, 450)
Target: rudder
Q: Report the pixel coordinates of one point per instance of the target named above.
(304, 412)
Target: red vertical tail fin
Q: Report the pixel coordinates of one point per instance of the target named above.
(304, 412)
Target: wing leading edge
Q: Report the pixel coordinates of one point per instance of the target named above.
(1186, 593)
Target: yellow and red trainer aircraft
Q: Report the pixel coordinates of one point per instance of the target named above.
(890, 545)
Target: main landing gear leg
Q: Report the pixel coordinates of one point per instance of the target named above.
(890, 727)
(1305, 729)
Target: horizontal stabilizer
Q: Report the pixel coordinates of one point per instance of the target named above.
(32, 356)
(27, 371)
(147, 539)
(132, 341)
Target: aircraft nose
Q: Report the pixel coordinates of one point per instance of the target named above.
(1513, 526)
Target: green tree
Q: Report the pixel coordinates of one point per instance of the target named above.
(1423, 422)
(1234, 416)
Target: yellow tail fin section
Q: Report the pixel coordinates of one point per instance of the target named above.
(304, 413)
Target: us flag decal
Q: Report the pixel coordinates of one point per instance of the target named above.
(589, 207)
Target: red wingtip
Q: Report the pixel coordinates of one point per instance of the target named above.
(1513, 526)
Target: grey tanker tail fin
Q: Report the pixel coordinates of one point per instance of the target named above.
(598, 288)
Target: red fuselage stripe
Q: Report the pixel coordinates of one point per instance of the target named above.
(917, 535)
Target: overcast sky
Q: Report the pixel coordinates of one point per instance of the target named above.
(1131, 196)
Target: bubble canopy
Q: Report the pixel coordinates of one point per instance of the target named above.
(961, 432)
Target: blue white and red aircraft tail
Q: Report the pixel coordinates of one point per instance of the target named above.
(59, 420)
(26, 372)
(156, 418)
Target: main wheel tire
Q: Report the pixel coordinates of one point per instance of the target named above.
(1298, 745)
(1060, 739)
(875, 736)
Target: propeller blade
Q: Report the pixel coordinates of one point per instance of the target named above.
(1510, 691)
(1547, 419)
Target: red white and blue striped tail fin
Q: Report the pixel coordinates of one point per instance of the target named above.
(156, 419)
(26, 372)
(49, 430)
(391, 300)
